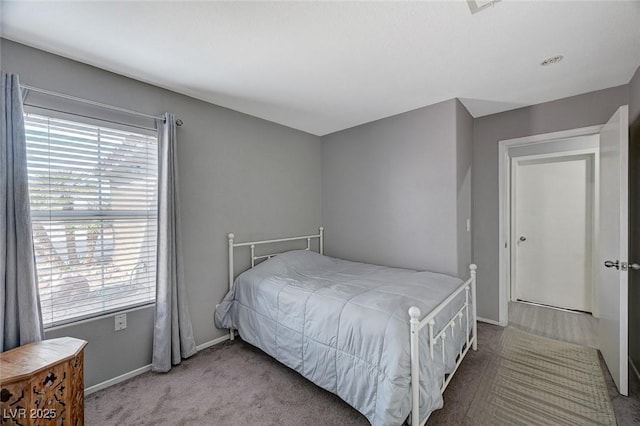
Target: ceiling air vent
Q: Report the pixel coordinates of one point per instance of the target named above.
(478, 5)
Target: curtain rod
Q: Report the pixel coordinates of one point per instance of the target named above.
(94, 103)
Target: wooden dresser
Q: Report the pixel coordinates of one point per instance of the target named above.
(42, 383)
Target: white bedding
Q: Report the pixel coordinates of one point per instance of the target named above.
(345, 327)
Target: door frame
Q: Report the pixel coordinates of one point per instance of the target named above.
(504, 203)
(591, 156)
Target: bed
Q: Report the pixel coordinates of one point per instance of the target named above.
(385, 340)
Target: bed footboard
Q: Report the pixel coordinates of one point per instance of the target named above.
(471, 329)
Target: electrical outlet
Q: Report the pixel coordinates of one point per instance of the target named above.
(121, 322)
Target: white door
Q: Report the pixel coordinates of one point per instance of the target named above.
(552, 230)
(614, 244)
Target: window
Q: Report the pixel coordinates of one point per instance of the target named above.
(93, 193)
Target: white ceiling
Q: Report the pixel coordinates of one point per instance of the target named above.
(326, 66)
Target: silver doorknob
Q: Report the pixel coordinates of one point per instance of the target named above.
(626, 266)
(523, 238)
(612, 264)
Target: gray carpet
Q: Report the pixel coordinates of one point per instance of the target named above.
(234, 383)
(228, 384)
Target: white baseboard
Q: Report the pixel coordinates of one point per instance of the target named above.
(490, 321)
(116, 380)
(210, 343)
(144, 369)
(634, 368)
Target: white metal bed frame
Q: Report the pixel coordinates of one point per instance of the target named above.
(468, 308)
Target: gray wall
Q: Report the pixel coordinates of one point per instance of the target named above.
(570, 113)
(237, 173)
(464, 153)
(390, 189)
(634, 198)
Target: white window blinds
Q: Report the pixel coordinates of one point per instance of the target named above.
(93, 193)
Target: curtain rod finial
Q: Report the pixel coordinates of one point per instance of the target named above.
(179, 122)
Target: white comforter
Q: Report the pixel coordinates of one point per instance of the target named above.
(344, 326)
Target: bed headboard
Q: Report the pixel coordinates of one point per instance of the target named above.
(252, 245)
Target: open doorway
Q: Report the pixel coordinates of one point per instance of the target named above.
(610, 240)
(548, 220)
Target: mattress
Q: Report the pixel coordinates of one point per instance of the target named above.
(344, 326)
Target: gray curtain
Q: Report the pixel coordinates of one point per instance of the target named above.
(172, 334)
(20, 315)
